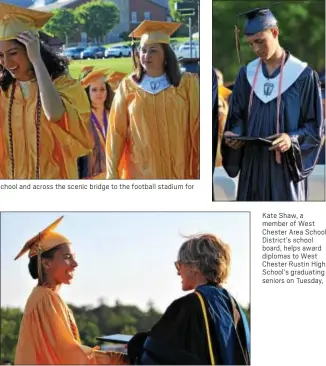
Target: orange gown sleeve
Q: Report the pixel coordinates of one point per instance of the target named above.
(74, 129)
(1, 132)
(117, 133)
(193, 96)
(46, 337)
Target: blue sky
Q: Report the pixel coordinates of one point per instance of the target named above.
(127, 256)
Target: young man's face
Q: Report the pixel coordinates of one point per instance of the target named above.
(264, 43)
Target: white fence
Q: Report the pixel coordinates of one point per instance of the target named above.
(225, 188)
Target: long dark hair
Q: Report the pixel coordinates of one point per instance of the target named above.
(171, 66)
(55, 64)
(32, 265)
(109, 96)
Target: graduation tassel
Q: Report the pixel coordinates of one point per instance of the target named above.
(237, 41)
(133, 50)
(39, 261)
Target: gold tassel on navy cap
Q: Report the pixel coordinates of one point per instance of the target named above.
(237, 41)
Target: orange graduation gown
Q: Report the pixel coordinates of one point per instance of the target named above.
(61, 142)
(154, 136)
(49, 335)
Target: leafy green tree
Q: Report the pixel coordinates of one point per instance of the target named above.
(92, 322)
(10, 323)
(302, 32)
(63, 24)
(97, 18)
(178, 17)
(128, 329)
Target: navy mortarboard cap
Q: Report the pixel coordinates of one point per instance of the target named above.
(258, 20)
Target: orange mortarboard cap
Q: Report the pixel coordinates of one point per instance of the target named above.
(87, 69)
(44, 241)
(15, 19)
(94, 76)
(150, 31)
(116, 76)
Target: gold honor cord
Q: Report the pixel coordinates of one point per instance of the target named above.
(207, 328)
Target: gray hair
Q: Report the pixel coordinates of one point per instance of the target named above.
(209, 254)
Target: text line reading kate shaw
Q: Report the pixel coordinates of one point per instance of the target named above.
(292, 249)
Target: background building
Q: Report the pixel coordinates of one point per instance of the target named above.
(132, 12)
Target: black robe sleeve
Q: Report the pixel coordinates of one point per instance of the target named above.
(231, 158)
(307, 139)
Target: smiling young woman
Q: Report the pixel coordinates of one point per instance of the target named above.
(154, 120)
(48, 332)
(44, 114)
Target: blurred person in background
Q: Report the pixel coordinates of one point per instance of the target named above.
(44, 114)
(215, 126)
(154, 120)
(48, 332)
(205, 327)
(100, 96)
(275, 97)
(220, 77)
(223, 108)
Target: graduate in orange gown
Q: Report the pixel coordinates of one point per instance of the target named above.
(44, 113)
(48, 332)
(154, 120)
(223, 108)
(100, 96)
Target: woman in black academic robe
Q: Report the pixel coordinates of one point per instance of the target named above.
(204, 327)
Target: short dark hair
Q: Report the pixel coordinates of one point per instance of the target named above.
(55, 64)
(32, 265)
(171, 65)
(109, 96)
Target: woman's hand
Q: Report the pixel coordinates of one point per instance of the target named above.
(32, 44)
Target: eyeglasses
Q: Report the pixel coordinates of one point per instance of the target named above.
(177, 265)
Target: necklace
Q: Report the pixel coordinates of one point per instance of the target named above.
(37, 123)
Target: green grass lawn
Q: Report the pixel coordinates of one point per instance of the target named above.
(115, 64)
(176, 39)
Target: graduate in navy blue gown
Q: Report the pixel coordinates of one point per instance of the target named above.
(277, 97)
